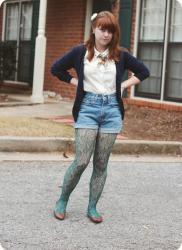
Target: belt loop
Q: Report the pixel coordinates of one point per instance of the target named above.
(95, 97)
(109, 99)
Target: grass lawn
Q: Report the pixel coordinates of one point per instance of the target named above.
(20, 126)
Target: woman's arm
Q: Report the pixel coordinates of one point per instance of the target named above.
(128, 83)
(136, 66)
(62, 65)
(140, 71)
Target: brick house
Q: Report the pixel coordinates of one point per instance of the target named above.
(43, 30)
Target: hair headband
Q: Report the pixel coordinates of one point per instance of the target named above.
(93, 16)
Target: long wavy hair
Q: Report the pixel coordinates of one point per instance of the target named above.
(105, 20)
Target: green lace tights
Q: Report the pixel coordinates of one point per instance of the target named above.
(87, 141)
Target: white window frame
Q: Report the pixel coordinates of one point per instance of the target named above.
(136, 39)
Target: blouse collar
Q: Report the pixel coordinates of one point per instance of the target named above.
(104, 53)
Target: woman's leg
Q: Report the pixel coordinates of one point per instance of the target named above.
(84, 145)
(103, 148)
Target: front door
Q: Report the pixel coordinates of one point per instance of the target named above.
(21, 24)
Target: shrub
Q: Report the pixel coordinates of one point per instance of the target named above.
(7, 60)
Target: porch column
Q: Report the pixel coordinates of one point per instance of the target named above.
(40, 53)
(87, 19)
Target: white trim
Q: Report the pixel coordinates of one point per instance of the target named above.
(165, 50)
(4, 21)
(89, 6)
(17, 83)
(17, 1)
(135, 47)
(138, 3)
(40, 56)
(156, 101)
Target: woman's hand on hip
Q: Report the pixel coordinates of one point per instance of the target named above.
(74, 81)
(128, 83)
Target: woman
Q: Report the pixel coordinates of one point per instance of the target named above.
(98, 109)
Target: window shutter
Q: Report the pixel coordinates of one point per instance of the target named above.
(125, 21)
(101, 5)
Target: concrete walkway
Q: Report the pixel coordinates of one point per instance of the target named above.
(24, 108)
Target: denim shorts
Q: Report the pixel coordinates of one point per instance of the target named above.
(100, 112)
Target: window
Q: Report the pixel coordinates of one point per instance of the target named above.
(173, 87)
(19, 21)
(160, 48)
(26, 25)
(12, 22)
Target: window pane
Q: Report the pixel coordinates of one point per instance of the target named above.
(11, 22)
(151, 55)
(24, 62)
(174, 72)
(176, 22)
(26, 21)
(152, 20)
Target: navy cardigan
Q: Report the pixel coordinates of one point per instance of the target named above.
(74, 59)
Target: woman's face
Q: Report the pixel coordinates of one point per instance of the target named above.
(102, 37)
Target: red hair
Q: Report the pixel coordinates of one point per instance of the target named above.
(105, 20)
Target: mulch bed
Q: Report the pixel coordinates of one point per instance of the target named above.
(152, 124)
(145, 123)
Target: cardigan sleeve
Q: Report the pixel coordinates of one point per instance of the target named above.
(61, 66)
(136, 66)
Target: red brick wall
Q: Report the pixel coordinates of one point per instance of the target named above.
(150, 104)
(64, 29)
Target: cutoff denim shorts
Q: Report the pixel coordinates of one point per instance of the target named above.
(100, 112)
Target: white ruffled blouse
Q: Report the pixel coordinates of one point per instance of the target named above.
(99, 78)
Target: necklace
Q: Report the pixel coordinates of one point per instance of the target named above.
(103, 59)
